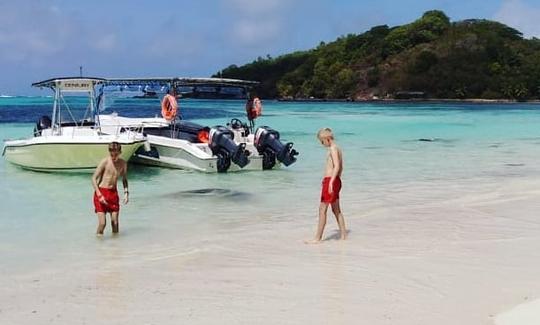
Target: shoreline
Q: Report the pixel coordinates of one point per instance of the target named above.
(416, 100)
(333, 100)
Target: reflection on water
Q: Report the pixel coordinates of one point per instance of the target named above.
(210, 192)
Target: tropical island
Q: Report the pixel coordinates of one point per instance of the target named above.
(430, 58)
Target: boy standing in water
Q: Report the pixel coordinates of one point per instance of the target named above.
(104, 180)
(331, 185)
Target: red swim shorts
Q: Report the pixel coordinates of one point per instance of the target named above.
(327, 197)
(111, 196)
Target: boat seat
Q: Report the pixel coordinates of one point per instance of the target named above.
(176, 133)
(80, 123)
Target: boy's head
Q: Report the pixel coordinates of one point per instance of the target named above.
(115, 149)
(326, 136)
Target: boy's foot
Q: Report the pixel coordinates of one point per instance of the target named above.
(99, 235)
(312, 241)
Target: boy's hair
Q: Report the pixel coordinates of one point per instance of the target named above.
(325, 133)
(115, 146)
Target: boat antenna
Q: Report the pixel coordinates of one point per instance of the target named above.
(80, 71)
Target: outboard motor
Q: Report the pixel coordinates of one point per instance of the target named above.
(43, 123)
(221, 142)
(268, 144)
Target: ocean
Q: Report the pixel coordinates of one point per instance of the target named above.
(396, 155)
(385, 147)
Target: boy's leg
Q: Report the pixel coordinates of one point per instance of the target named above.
(323, 208)
(336, 209)
(101, 223)
(115, 222)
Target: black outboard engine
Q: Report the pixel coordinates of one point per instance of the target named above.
(43, 123)
(268, 144)
(221, 142)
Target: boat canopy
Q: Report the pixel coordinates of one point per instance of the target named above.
(85, 83)
(70, 83)
(180, 82)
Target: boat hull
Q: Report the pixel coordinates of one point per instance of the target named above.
(62, 157)
(179, 154)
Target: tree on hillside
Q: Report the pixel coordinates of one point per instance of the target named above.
(465, 59)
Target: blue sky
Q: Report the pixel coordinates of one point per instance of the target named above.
(40, 39)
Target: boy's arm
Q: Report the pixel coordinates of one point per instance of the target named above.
(336, 163)
(125, 183)
(98, 173)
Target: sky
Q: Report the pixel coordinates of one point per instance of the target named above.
(42, 39)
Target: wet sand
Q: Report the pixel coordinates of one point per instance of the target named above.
(427, 253)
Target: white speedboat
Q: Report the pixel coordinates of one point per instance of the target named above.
(59, 145)
(187, 145)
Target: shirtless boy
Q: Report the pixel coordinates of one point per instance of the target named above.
(331, 185)
(104, 180)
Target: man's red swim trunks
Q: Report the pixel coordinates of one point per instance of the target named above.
(111, 196)
(330, 197)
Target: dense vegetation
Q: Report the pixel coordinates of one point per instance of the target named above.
(443, 59)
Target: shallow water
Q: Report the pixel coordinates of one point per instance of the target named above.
(47, 219)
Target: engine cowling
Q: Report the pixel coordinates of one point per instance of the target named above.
(221, 142)
(43, 123)
(268, 144)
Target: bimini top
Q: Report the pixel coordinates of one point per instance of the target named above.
(180, 82)
(70, 83)
(88, 83)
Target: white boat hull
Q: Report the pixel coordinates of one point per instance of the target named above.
(65, 153)
(178, 153)
(181, 154)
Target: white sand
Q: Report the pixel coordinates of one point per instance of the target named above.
(438, 253)
(524, 314)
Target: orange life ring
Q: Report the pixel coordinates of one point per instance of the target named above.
(257, 105)
(169, 107)
(253, 108)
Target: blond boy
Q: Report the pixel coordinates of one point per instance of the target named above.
(331, 185)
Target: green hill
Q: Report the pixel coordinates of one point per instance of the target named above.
(432, 56)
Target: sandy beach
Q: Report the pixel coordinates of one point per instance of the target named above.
(461, 254)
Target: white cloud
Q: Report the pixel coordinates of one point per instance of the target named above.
(258, 22)
(31, 29)
(259, 6)
(251, 31)
(520, 15)
(106, 43)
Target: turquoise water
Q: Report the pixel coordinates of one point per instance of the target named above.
(48, 218)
